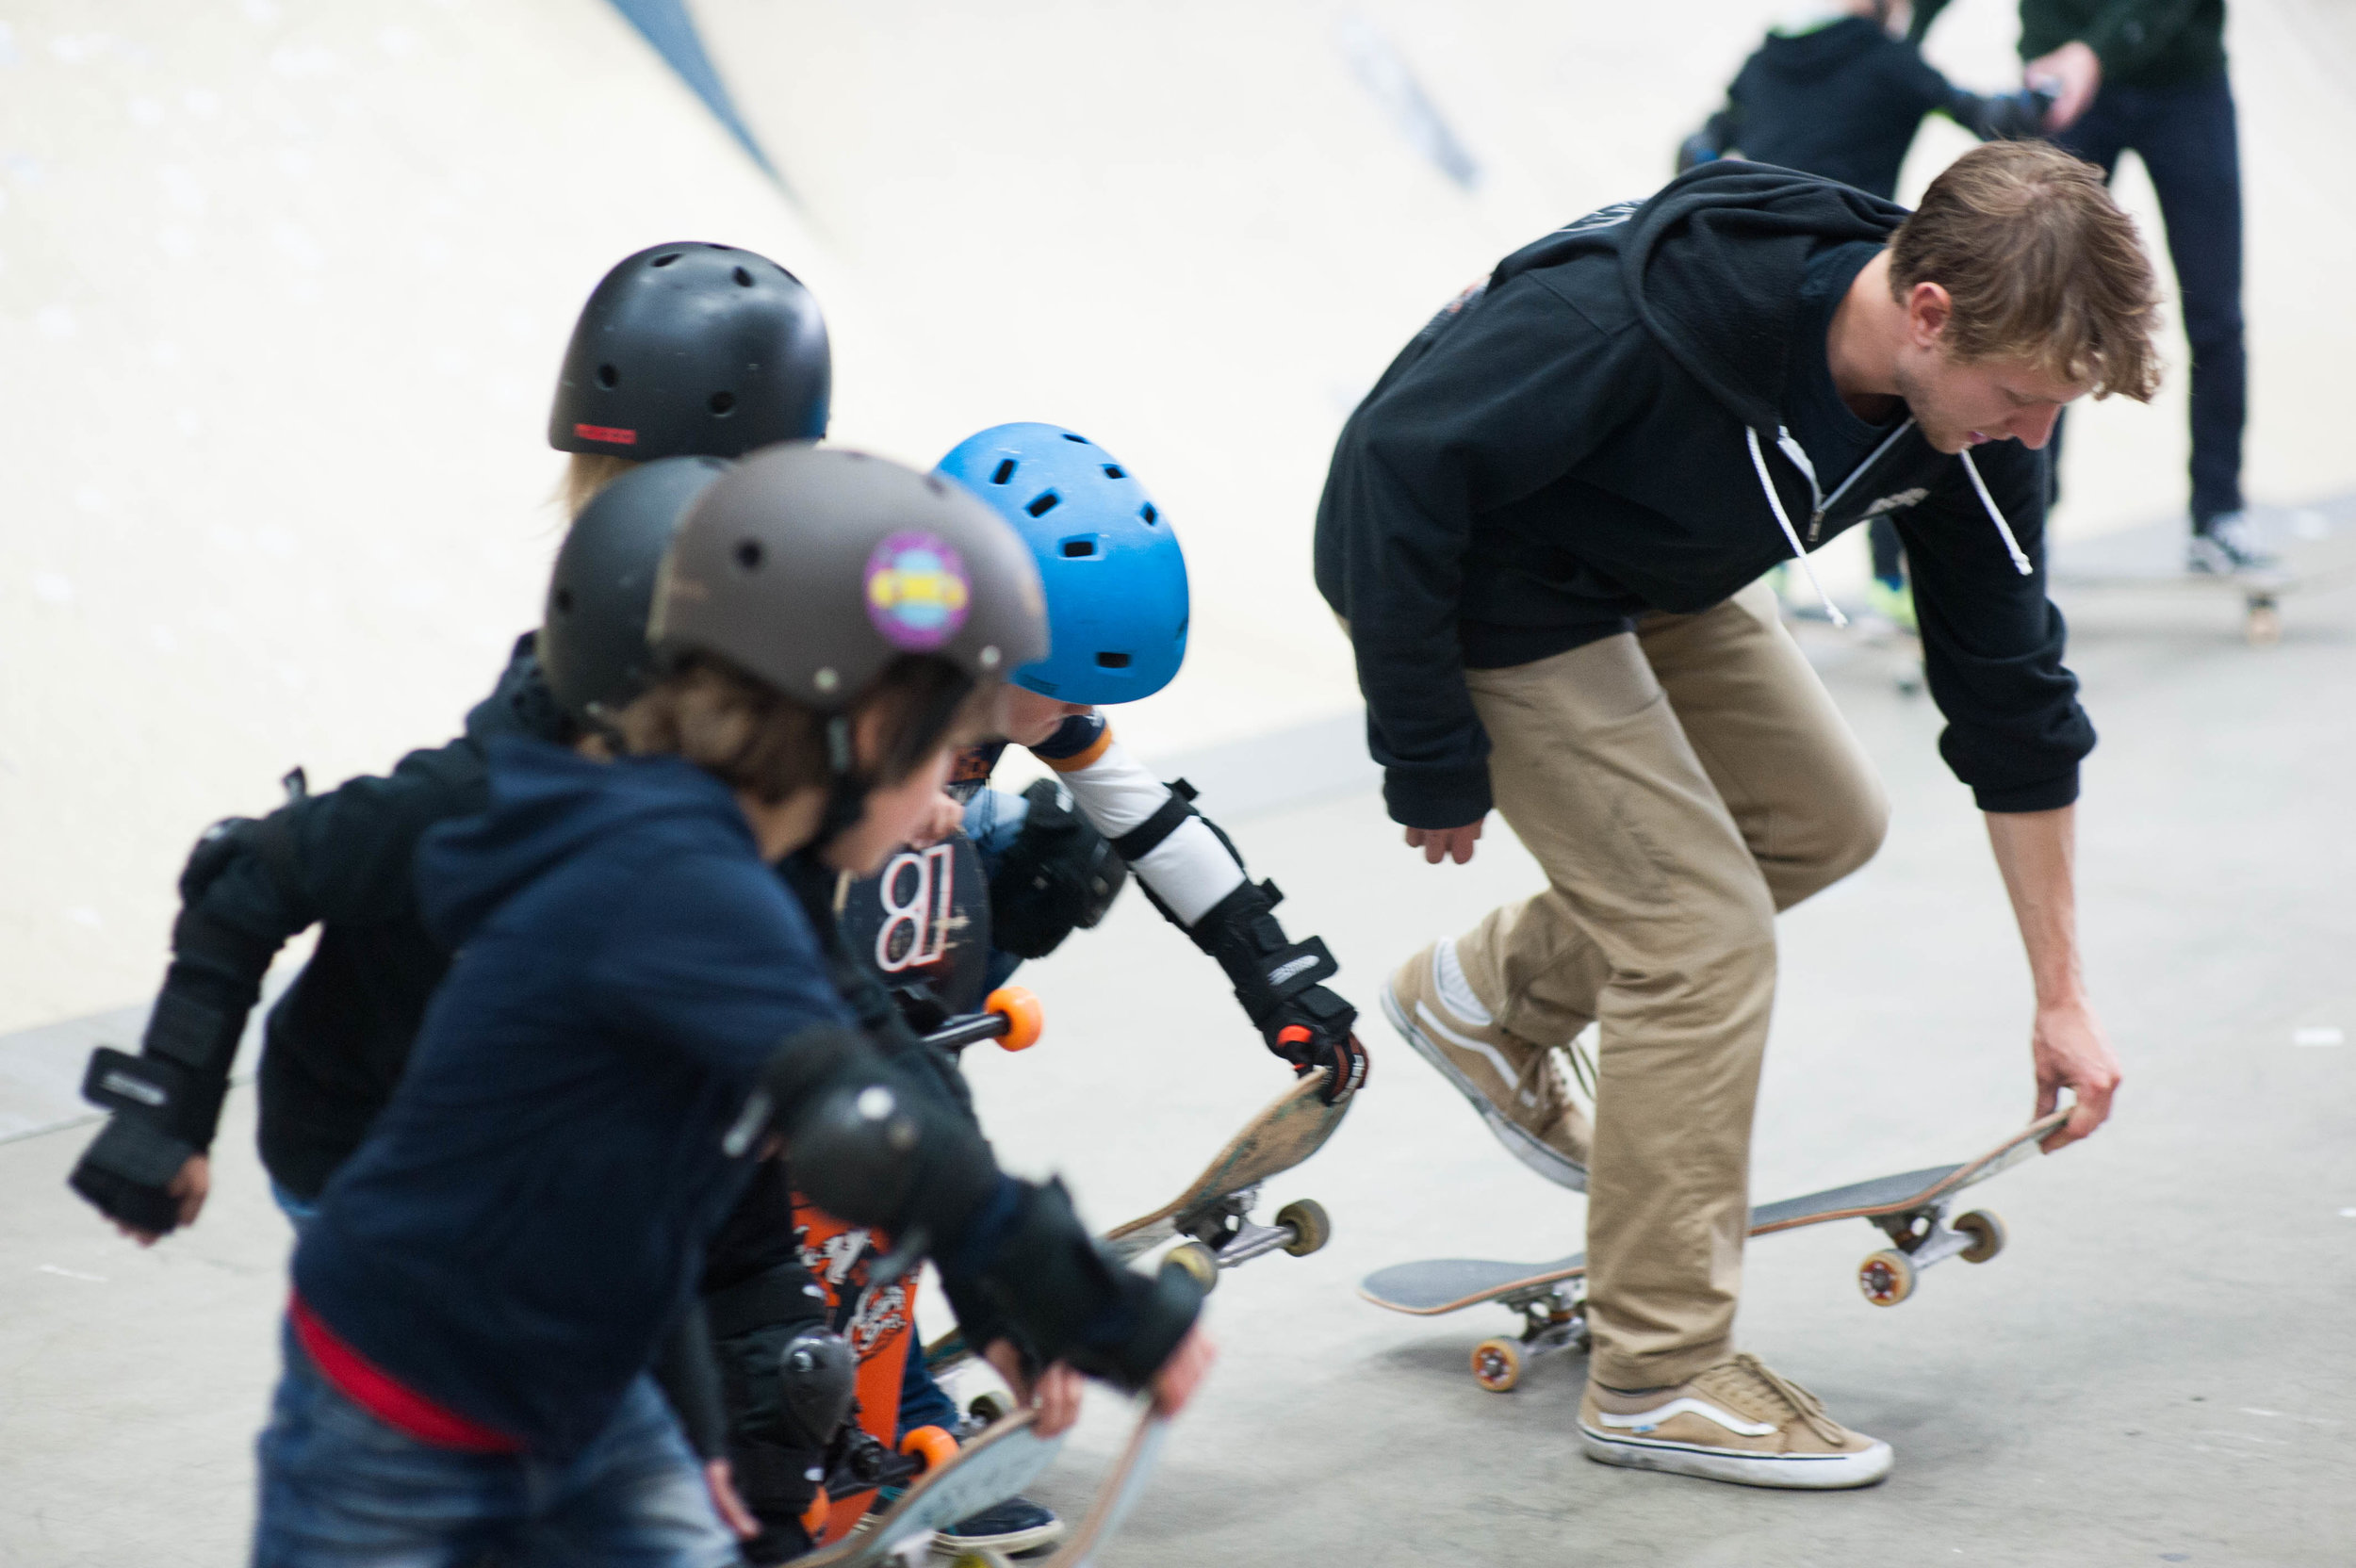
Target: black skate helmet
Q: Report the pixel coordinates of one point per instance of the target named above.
(593, 633)
(693, 349)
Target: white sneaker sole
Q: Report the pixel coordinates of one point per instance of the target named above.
(946, 1545)
(1789, 1472)
(1532, 1152)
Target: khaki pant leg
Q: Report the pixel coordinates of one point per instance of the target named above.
(1802, 789)
(1650, 880)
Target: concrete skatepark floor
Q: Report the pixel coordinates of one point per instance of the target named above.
(2155, 1371)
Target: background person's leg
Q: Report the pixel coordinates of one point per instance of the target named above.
(2190, 144)
(2098, 137)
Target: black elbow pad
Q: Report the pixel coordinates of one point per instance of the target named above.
(868, 1143)
(1059, 876)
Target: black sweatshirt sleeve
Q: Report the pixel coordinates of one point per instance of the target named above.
(1481, 410)
(1992, 641)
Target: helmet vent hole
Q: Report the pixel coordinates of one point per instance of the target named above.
(564, 601)
(1081, 439)
(1148, 513)
(1075, 550)
(665, 261)
(608, 376)
(1112, 470)
(744, 279)
(748, 555)
(1003, 472)
(723, 403)
(1044, 503)
(1112, 661)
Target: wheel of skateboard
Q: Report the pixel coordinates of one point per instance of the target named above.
(933, 1445)
(2262, 625)
(1311, 1228)
(1024, 1017)
(1199, 1261)
(988, 1408)
(1886, 1277)
(1986, 1232)
(1496, 1365)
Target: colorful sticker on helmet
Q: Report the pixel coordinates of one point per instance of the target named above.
(612, 435)
(917, 591)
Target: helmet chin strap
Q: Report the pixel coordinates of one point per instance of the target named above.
(846, 790)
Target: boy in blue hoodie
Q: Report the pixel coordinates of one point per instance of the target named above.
(639, 1004)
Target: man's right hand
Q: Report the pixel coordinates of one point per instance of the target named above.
(1445, 843)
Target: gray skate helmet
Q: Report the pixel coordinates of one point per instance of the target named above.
(693, 348)
(593, 632)
(813, 568)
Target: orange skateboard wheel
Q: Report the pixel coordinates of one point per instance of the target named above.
(933, 1445)
(1496, 1365)
(1024, 1017)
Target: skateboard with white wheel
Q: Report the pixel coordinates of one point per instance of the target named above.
(1910, 1209)
(1213, 1213)
(2310, 549)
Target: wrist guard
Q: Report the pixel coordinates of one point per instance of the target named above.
(1046, 1285)
(1277, 980)
(1059, 876)
(167, 1100)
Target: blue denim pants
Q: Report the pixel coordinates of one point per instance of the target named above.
(2189, 142)
(340, 1488)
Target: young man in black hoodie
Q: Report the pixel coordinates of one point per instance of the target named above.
(1545, 528)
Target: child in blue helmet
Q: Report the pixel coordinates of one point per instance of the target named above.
(1055, 856)
(1117, 610)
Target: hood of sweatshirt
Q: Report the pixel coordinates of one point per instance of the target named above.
(1808, 57)
(546, 804)
(522, 703)
(1711, 263)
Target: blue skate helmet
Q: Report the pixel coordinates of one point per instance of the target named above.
(1116, 579)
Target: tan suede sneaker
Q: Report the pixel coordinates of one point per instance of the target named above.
(1518, 1087)
(1736, 1421)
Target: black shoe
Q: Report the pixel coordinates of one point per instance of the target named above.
(1017, 1524)
(2223, 546)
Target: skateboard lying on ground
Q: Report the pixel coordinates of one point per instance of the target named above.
(1215, 1210)
(1910, 1209)
(2311, 549)
(1123, 1484)
(994, 1466)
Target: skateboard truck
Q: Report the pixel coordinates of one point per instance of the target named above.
(1224, 1235)
(1554, 1318)
(1923, 1237)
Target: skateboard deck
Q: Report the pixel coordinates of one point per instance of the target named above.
(1117, 1494)
(1910, 1208)
(1214, 1209)
(986, 1471)
(1216, 1205)
(878, 1319)
(2311, 549)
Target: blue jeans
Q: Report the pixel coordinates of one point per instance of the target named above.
(340, 1488)
(2187, 138)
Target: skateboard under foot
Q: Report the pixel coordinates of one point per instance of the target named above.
(1910, 1209)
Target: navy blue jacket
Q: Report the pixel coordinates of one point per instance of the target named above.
(530, 1212)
